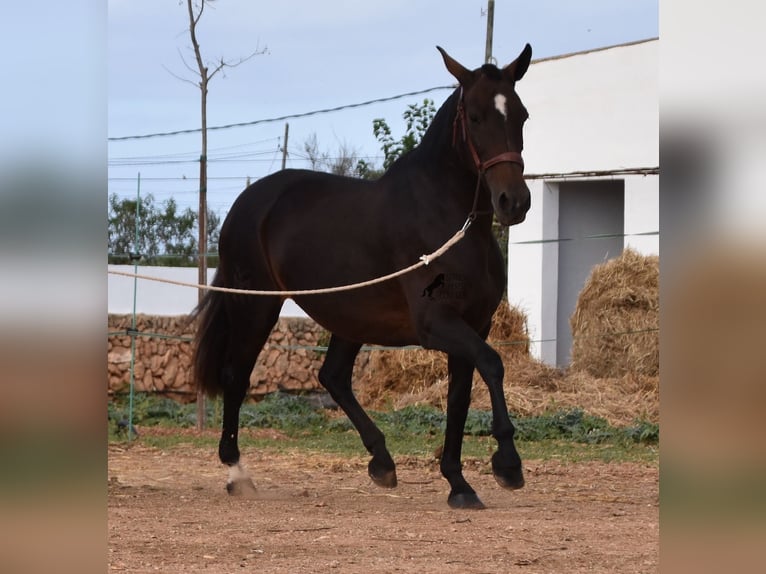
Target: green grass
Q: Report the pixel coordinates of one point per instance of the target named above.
(570, 435)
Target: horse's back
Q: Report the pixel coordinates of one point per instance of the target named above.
(290, 186)
(298, 229)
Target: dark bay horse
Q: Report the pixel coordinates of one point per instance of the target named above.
(296, 230)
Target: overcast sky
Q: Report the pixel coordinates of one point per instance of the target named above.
(319, 55)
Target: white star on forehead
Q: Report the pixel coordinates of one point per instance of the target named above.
(500, 105)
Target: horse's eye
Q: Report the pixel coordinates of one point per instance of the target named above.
(474, 118)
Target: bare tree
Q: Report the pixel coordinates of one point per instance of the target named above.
(344, 162)
(204, 72)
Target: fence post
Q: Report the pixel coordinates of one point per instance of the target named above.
(135, 256)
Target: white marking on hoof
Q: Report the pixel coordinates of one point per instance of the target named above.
(237, 473)
(500, 105)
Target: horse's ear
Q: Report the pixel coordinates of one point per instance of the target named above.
(516, 69)
(461, 73)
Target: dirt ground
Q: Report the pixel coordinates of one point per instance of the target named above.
(169, 512)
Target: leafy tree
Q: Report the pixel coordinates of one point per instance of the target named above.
(346, 161)
(366, 170)
(166, 235)
(418, 117)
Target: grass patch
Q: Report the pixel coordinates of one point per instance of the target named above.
(412, 431)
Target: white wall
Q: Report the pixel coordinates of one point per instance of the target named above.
(154, 298)
(642, 213)
(593, 111)
(533, 268)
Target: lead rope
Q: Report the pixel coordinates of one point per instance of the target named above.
(424, 260)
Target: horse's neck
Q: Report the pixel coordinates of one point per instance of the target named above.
(435, 178)
(435, 156)
(437, 147)
(438, 158)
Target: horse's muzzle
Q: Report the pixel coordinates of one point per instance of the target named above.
(511, 206)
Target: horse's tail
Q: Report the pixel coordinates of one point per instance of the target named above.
(210, 339)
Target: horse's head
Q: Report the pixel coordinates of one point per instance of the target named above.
(489, 124)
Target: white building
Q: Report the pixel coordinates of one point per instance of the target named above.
(593, 124)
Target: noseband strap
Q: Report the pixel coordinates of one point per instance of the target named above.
(481, 166)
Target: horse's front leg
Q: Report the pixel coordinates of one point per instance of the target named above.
(506, 462)
(443, 330)
(458, 400)
(234, 391)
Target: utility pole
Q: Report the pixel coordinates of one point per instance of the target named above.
(490, 26)
(284, 146)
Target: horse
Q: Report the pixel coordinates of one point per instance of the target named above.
(299, 230)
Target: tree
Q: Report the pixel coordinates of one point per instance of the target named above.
(166, 235)
(205, 71)
(418, 117)
(346, 161)
(195, 9)
(343, 162)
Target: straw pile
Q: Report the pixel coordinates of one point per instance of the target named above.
(532, 388)
(614, 325)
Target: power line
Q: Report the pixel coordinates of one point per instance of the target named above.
(285, 117)
(195, 154)
(221, 154)
(176, 178)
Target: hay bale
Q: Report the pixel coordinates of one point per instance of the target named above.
(614, 325)
(393, 373)
(509, 334)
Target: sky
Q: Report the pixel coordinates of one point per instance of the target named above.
(317, 55)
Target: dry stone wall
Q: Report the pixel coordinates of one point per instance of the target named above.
(163, 361)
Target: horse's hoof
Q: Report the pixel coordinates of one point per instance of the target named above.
(242, 487)
(510, 478)
(386, 479)
(465, 501)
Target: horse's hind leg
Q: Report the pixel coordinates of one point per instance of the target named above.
(250, 325)
(335, 376)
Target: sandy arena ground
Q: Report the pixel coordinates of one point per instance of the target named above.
(169, 512)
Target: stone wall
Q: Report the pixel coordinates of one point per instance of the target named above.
(163, 363)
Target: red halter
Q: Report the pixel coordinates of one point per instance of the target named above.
(481, 167)
(509, 156)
